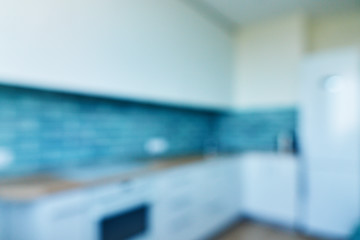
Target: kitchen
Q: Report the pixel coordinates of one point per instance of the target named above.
(179, 119)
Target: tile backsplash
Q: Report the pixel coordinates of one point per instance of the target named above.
(255, 130)
(46, 130)
(42, 130)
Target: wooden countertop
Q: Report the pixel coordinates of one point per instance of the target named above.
(33, 187)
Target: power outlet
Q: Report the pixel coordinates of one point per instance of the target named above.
(157, 145)
(6, 157)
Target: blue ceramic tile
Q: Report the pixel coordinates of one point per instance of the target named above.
(258, 130)
(47, 130)
(52, 130)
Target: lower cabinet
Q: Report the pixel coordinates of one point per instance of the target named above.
(218, 203)
(192, 202)
(59, 217)
(64, 218)
(270, 187)
(198, 201)
(56, 218)
(3, 221)
(175, 213)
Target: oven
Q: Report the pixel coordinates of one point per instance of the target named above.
(123, 212)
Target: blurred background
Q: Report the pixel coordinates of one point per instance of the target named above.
(179, 120)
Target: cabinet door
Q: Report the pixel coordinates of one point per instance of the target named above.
(139, 49)
(270, 187)
(175, 208)
(196, 201)
(63, 217)
(179, 226)
(68, 225)
(3, 227)
(218, 195)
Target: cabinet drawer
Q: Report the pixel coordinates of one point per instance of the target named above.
(63, 203)
(170, 186)
(180, 227)
(177, 179)
(177, 204)
(119, 191)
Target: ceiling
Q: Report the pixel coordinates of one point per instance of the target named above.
(246, 11)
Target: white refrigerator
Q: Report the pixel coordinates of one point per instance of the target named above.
(330, 142)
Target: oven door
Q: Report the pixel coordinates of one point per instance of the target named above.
(122, 212)
(129, 224)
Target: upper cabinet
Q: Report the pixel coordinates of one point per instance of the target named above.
(156, 50)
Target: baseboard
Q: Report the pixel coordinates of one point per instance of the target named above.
(292, 227)
(284, 225)
(232, 223)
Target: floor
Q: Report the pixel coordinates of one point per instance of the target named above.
(252, 231)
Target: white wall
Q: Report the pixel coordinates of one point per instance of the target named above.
(268, 56)
(334, 31)
(162, 50)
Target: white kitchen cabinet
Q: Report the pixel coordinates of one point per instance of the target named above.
(64, 218)
(175, 204)
(59, 217)
(270, 187)
(158, 50)
(191, 202)
(197, 201)
(19, 216)
(68, 225)
(78, 215)
(222, 195)
(3, 221)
